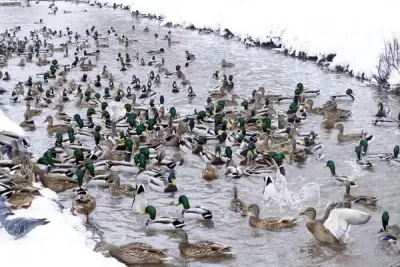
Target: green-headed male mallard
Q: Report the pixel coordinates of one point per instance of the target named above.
(364, 163)
(197, 212)
(349, 96)
(162, 223)
(341, 178)
(201, 249)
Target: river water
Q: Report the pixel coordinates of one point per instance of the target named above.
(254, 67)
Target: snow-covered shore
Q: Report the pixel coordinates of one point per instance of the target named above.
(63, 242)
(353, 31)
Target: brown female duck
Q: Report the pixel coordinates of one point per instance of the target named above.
(60, 128)
(268, 223)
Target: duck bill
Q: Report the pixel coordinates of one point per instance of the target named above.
(177, 203)
(173, 181)
(142, 213)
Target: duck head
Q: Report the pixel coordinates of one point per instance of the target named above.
(331, 165)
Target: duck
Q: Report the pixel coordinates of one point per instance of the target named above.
(83, 203)
(197, 212)
(225, 64)
(58, 184)
(237, 205)
(382, 111)
(364, 200)
(391, 231)
(28, 124)
(341, 137)
(61, 128)
(114, 184)
(201, 249)
(191, 93)
(29, 113)
(160, 185)
(269, 192)
(162, 223)
(349, 96)
(335, 225)
(134, 253)
(270, 223)
(210, 173)
(331, 165)
(21, 196)
(139, 202)
(362, 162)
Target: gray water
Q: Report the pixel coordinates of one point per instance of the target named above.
(255, 67)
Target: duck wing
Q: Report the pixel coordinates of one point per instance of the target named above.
(340, 220)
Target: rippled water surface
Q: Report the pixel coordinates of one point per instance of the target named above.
(254, 67)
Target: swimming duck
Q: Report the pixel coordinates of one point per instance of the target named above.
(29, 113)
(237, 205)
(349, 96)
(269, 223)
(225, 64)
(197, 212)
(162, 223)
(114, 184)
(365, 200)
(134, 253)
(83, 203)
(175, 88)
(210, 173)
(28, 125)
(382, 111)
(139, 202)
(391, 231)
(331, 165)
(335, 225)
(364, 163)
(61, 128)
(341, 137)
(269, 189)
(191, 93)
(162, 185)
(201, 249)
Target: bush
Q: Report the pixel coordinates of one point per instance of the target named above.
(389, 60)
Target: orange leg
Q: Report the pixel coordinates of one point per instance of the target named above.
(27, 206)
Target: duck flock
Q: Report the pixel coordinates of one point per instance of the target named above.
(123, 129)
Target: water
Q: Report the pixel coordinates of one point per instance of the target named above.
(254, 68)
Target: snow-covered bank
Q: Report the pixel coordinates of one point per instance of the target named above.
(353, 31)
(63, 242)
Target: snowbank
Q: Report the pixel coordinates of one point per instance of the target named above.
(9, 126)
(354, 31)
(64, 242)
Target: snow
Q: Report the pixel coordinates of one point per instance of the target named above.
(64, 242)
(8, 125)
(354, 31)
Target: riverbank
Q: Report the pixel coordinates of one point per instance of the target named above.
(340, 37)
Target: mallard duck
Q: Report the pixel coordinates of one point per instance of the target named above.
(335, 225)
(297, 155)
(331, 165)
(114, 184)
(162, 223)
(162, 185)
(269, 189)
(210, 173)
(58, 184)
(197, 212)
(134, 253)
(237, 205)
(139, 202)
(201, 249)
(310, 109)
(391, 231)
(29, 113)
(365, 200)
(22, 196)
(341, 137)
(28, 124)
(382, 111)
(121, 166)
(225, 64)
(269, 223)
(60, 128)
(83, 203)
(349, 96)
(364, 163)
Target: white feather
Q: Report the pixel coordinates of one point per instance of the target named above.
(269, 190)
(339, 221)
